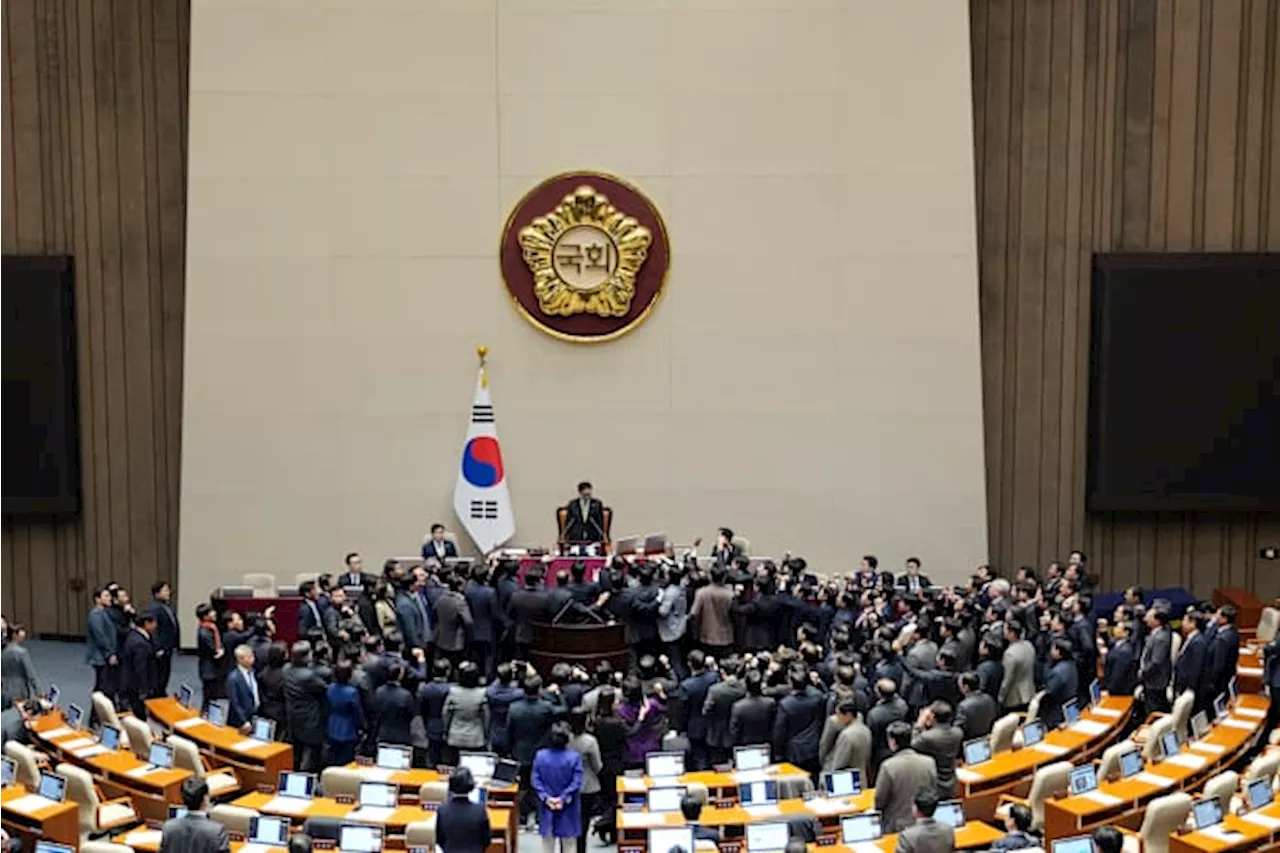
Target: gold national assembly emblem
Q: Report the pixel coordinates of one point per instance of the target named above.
(584, 256)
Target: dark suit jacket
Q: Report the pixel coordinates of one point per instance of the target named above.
(486, 618)
(904, 580)
(527, 722)
(1120, 671)
(410, 621)
(1224, 657)
(431, 697)
(590, 528)
(240, 699)
(307, 621)
(990, 675)
(429, 550)
(719, 708)
(206, 649)
(394, 708)
(642, 612)
(1189, 669)
(797, 727)
(878, 720)
(1060, 686)
(942, 744)
(168, 634)
(526, 605)
(976, 714)
(462, 826)
(103, 639)
(453, 621)
(304, 695)
(751, 720)
(137, 665)
(689, 698)
(1155, 669)
(353, 579)
(761, 616)
(194, 833)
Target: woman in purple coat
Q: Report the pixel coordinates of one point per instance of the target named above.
(557, 780)
(645, 719)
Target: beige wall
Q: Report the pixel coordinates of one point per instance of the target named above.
(811, 376)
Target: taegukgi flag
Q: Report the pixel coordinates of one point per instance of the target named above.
(481, 498)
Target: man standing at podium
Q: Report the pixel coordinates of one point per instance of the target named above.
(585, 522)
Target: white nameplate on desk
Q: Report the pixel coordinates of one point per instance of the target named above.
(1233, 723)
(1154, 779)
(1103, 798)
(249, 743)
(1262, 820)
(757, 812)
(1106, 712)
(287, 805)
(190, 722)
(968, 775)
(78, 743)
(377, 774)
(743, 777)
(631, 820)
(28, 804)
(634, 783)
(140, 837)
(60, 731)
(820, 806)
(1050, 748)
(90, 752)
(1222, 833)
(1211, 748)
(866, 847)
(1088, 727)
(1250, 670)
(139, 772)
(1186, 759)
(371, 814)
(1256, 713)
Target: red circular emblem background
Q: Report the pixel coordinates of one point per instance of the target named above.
(650, 281)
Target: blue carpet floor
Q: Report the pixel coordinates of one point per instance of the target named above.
(64, 664)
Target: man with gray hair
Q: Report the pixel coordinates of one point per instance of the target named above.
(304, 699)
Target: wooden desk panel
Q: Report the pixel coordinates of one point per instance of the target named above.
(974, 834)
(722, 786)
(147, 840)
(1252, 836)
(411, 781)
(151, 794)
(59, 822)
(1010, 772)
(258, 765)
(1069, 816)
(502, 820)
(1249, 669)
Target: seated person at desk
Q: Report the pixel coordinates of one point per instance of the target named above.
(926, 835)
(1018, 834)
(692, 810)
(437, 547)
(584, 519)
(194, 832)
(461, 825)
(1107, 839)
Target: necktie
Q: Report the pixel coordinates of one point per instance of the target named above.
(315, 611)
(253, 686)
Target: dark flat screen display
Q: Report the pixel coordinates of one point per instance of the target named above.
(1184, 403)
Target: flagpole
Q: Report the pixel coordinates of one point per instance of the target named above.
(483, 352)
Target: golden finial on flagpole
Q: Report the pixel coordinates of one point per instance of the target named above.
(483, 352)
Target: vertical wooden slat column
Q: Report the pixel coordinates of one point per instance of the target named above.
(94, 147)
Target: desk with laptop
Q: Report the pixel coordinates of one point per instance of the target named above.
(152, 784)
(758, 818)
(43, 815)
(258, 758)
(1091, 802)
(376, 803)
(751, 763)
(985, 775)
(393, 763)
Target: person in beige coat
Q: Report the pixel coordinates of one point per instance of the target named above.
(1019, 661)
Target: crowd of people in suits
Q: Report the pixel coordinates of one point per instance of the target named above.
(885, 673)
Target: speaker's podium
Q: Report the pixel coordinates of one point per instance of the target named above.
(562, 525)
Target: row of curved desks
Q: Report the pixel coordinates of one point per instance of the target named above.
(256, 762)
(56, 822)
(1123, 802)
(119, 772)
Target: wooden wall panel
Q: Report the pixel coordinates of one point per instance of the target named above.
(1104, 125)
(94, 144)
